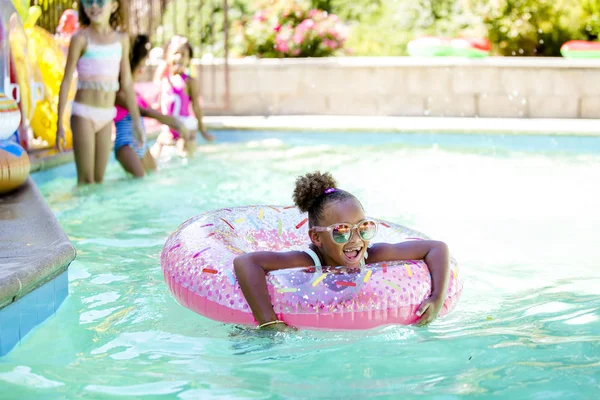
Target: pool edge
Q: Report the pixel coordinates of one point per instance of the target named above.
(35, 254)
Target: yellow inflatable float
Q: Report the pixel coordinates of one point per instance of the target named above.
(39, 73)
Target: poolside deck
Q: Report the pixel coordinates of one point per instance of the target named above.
(34, 256)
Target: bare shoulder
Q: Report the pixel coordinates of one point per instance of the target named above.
(79, 38)
(191, 81)
(191, 86)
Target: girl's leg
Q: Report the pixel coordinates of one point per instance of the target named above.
(156, 149)
(148, 162)
(165, 138)
(84, 149)
(190, 146)
(130, 161)
(180, 146)
(103, 144)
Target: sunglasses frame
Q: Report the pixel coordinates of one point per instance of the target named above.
(331, 228)
(99, 3)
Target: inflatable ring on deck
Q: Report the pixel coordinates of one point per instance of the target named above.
(580, 49)
(430, 46)
(197, 262)
(10, 117)
(14, 166)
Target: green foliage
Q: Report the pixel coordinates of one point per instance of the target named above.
(533, 27)
(590, 19)
(384, 27)
(202, 21)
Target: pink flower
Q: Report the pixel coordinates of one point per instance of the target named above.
(330, 44)
(259, 16)
(306, 25)
(298, 36)
(277, 28)
(281, 46)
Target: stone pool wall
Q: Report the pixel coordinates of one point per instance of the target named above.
(405, 86)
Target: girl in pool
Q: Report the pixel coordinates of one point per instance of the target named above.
(178, 90)
(333, 217)
(133, 158)
(100, 53)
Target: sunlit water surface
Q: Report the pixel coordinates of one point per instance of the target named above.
(520, 213)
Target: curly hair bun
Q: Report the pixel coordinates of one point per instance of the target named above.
(309, 187)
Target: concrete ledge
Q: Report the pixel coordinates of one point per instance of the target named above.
(33, 248)
(320, 123)
(34, 256)
(516, 87)
(46, 159)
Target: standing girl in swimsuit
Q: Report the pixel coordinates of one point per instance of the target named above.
(135, 159)
(333, 217)
(100, 53)
(178, 90)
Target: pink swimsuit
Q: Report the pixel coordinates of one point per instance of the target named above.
(122, 112)
(174, 100)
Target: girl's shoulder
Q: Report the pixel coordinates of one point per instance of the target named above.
(123, 37)
(79, 39)
(80, 35)
(190, 84)
(189, 79)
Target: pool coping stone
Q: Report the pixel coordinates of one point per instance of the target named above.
(34, 252)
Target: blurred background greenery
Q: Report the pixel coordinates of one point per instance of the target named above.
(366, 27)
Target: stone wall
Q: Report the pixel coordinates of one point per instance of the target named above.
(405, 86)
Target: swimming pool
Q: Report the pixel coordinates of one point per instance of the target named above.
(520, 214)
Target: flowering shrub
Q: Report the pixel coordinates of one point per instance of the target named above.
(291, 29)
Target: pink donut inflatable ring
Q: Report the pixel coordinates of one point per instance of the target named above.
(197, 262)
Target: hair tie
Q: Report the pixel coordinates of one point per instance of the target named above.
(330, 190)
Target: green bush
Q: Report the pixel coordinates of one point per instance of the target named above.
(533, 27)
(384, 27)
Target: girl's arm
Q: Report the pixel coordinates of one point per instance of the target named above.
(192, 86)
(168, 120)
(126, 82)
(436, 256)
(250, 269)
(78, 43)
(149, 112)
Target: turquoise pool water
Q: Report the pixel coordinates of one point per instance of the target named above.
(520, 214)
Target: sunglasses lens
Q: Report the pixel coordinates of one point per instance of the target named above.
(341, 233)
(89, 3)
(367, 230)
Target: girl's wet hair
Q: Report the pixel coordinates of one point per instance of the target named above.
(118, 19)
(314, 191)
(140, 48)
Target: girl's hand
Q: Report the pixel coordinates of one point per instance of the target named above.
(139, 134)
(429, 309)
(61, 140)
(206, 135)
(279, 327)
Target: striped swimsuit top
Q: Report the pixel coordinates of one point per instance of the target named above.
(99, 66)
